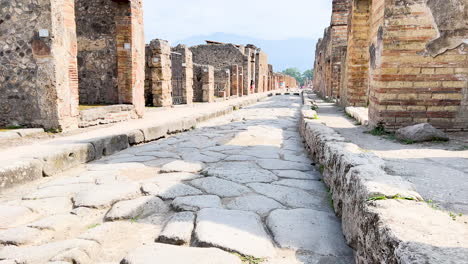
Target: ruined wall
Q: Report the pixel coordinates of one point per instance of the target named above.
(249, 69)
(97, 51)
(339, 38)
(331, 51)
(220, 56)
(235, 81)
(357, 60)
(111, 52)
(322, 81)
(38, 74)
(182, 75)
(203, 83)
(222, 83)
(261, 71)
(419, 64)
(158, 73)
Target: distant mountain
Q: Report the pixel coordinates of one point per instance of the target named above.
(282, 54)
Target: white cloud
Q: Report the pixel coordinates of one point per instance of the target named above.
(265, 19)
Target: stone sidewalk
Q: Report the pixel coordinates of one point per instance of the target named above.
(29, 159)
(438, 170)
(241, 183)
(386, 213)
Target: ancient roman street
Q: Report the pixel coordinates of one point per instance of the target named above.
(234, 132)
(242, 182)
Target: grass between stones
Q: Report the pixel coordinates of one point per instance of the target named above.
(93, 226)
(394, 197)
(249, 259)
(8, 128)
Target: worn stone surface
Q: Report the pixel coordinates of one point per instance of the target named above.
(141, 208)
(220, 187)
(178, 230)
(255, 203)
(103, 196)
(309, 230)
(292, 197)
(238, 231)
(160, 253)
(195, 203)
(241, 172)
(169, 190)
(182, 166)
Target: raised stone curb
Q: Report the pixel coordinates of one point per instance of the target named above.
(37, 165)
(361, 114)
(383, 218)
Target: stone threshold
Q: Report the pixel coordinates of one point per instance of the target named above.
(49, 158)
(383, 218)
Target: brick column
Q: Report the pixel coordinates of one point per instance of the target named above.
(234, 80)
(131, 54)
(159, 72)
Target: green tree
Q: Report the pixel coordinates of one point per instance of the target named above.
(308, 74)
(294, 72)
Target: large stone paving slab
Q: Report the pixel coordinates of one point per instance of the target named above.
(195, 203)
(241, 172)
(306, 229)
(289, 196)
(255, 203)
(220, 187)
(103, 196)
(277, 164)
(168, 254)
(169, 190)
(178, 230)
(137, 208)
(233, 230)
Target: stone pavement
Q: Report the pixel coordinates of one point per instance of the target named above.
(30, 158)
(241, 184)
(438, 170)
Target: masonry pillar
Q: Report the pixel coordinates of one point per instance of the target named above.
(131, 54)
(38, 67)
(208, 84)
(159, 73)
(241, 81)
(234, 80)
(182, 75)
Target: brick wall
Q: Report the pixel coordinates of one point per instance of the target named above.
(407, 60)
(182, 75)
(409, 85)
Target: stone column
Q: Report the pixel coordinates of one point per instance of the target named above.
(208, 84)
(241, 81)
(159, 72)
(182, 71)
(234, 80)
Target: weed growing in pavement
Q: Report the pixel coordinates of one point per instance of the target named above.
(93, 226)
(321, 169)
(393, 197)
(249, 259)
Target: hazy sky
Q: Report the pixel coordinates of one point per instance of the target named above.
(175, 20)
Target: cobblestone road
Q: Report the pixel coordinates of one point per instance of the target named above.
(241, 183)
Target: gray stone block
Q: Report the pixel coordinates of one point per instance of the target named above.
(16, 172)
(109, 145)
